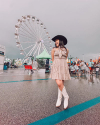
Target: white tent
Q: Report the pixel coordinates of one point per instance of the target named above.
(2, 55)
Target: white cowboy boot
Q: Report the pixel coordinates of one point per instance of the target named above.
(66, 97)
(58, 103)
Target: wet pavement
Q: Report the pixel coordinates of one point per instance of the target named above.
(25, 98)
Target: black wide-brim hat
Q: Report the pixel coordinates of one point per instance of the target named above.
(60, 37)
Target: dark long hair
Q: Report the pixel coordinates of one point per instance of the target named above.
(61, 44)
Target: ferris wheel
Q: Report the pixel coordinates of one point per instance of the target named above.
(32, 36)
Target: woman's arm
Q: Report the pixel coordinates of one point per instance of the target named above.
(52, 54)
(67, 53)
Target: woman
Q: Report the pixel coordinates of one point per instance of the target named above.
(59, 69)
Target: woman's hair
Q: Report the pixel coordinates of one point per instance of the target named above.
(61, 44)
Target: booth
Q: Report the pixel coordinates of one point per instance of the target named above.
(45, 55)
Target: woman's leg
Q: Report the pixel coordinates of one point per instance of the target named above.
(62, 90)
(60, 87)
(60, 84)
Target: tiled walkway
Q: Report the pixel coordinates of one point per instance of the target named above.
(26, 99)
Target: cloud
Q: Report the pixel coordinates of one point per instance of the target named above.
(78, 20)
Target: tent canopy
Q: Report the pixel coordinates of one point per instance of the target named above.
(43, 55)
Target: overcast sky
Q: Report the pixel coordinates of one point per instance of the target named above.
(78, 20)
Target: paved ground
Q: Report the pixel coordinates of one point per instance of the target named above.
(25, 99)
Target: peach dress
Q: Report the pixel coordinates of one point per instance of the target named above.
(59, 68)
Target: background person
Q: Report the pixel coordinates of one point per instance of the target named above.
(82, 65)
(87, 68)
(97, 68)
(91, 66)
(72, 69)
(35, 65)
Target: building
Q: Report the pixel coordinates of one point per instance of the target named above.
(2, 56)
